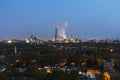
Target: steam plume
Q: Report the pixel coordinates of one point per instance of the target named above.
(61, 28)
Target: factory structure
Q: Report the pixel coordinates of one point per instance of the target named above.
(60, 31)
(59, 37)
(60, 34)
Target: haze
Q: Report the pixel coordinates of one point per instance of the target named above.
(87, 18)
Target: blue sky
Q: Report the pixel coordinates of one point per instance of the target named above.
(86, 18)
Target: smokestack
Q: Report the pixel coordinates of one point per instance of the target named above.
(15, 50)
(71, 37)
(56, 34)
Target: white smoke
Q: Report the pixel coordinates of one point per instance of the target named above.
(61, 28)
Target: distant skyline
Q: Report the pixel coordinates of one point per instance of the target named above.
(86, 19)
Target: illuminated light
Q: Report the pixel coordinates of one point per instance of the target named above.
(62, 63)
(111, 50)
(84, 41)
(48, 70)
(27, 41)
(46, 67)
(83, 63)
(66, 41)
(72, 63)
(17, 60)
(80, 72)
(106, 75)
(77, 41)
(73, 41)
(33, 61)
(2, 70)
(93, 72)
(63, 69)
(11, 64)
(39, 68)
(9, 41)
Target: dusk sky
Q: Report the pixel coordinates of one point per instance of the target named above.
(86, 19)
